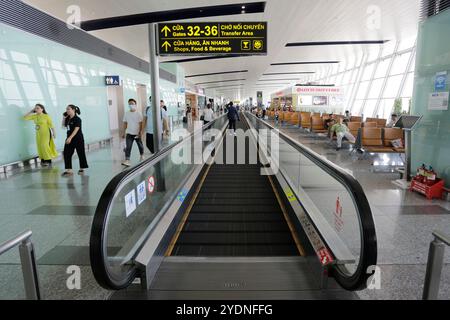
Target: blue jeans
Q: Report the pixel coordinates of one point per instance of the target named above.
(130, 140)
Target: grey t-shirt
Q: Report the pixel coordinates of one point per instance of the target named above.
(133, 119)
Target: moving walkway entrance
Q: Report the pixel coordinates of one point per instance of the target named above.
(230, 231)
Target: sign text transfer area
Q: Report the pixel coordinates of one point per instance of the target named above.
(213, 38)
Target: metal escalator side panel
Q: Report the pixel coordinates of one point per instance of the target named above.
(120, 228)
(367, 253)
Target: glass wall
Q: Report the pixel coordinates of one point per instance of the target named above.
(373, 80)
(35, 70)
(431, 138)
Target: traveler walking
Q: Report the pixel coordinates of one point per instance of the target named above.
(75, 140)
(132, 120)
(233, 116)
(148, 125)
(45, 134)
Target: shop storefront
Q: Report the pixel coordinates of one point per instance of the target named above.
(310, 99)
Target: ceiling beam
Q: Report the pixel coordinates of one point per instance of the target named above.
(174, 15)
(222, 81)
(270, 80)
(303, 62)
(286, 73)
(215, 73)
(335, 43)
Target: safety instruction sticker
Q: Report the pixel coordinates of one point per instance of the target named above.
(338, 216)
(130, 203)
(142, 193)
(182, 195)
(212, 38)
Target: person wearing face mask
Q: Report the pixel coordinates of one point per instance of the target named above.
(45, 134)
(133, 129)
(75, 140)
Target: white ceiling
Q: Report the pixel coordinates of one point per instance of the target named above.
(288, 21)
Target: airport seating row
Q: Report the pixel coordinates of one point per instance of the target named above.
(379, 140)
(316, 122)
(372, 135)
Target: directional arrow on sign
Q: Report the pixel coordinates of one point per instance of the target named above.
(166, 45)
(166, 29)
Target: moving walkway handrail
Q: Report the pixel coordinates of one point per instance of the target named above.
(98, 243)
(368, 257)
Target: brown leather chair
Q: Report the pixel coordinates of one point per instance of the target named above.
(339, 116)
(371, 137)
(317, 125)
(288, 117)
(295, 119)
(372, 140)
(391, 134)
(306, 120)
(381, 123)
(354, 128)
(370, 124)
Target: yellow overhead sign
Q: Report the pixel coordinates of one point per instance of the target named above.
(213, 38)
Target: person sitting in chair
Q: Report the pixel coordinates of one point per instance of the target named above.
(393, 121)
(342, 131)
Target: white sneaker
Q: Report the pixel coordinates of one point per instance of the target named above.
(142, 158)
(126, 163)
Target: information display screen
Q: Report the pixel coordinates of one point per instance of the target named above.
(320, 101)
(407, 122)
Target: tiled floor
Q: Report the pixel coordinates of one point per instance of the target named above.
(59, 211)
(404, 220)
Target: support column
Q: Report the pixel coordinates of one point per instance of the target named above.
(154, 78)
(157, 121)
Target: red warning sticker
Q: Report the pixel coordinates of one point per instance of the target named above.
(151, 184)
(325, 257)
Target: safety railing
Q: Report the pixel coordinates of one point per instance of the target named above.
(334, 201)
(28, 261)
(435, 264)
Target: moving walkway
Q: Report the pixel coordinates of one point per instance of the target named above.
(252, 216)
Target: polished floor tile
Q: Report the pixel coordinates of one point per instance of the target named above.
(64, 211)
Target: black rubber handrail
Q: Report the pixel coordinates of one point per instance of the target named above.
(97, 246)
(369, 251)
